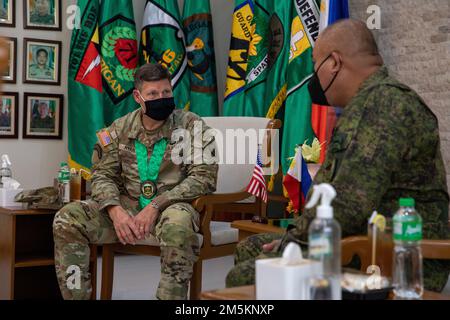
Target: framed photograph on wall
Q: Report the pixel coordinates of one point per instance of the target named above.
(8, 13)
(42, 14)
(43, 116)
(9, 115)
(9, 74)
(42, 61)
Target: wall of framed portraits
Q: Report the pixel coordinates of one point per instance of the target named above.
(33, 122)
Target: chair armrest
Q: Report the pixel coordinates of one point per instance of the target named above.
(220, 198)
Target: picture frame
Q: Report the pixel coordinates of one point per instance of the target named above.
(42, 14)
(43, 116)
(10, 74)
(42, 61)
(8, 13)
(9, 115)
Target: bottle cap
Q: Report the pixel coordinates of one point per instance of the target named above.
(407, 202)
(63, 164)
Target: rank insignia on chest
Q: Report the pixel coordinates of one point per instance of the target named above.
(104, 137)
(148, 189)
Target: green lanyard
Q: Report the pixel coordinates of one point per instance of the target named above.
(149, 170)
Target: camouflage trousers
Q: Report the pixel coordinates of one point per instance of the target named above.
(247, 252)
(78, 224)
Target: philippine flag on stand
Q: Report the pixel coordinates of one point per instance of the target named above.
(298, 181)
(257, 185)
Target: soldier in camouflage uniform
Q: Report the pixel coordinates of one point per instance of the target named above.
(385, 146)
(118, 209)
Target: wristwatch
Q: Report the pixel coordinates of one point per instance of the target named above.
(153, 204)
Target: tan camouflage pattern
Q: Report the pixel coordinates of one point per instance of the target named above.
(115, 181)
(42, 198)
(385, 146)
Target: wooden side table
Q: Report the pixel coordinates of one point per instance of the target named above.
(27, 265)
(248, 228)
(249, 293)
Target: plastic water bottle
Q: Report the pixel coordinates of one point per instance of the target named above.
(407, 264)
(5, 169)
(325, 246)
(64, 183)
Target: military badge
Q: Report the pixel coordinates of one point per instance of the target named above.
(148, 189)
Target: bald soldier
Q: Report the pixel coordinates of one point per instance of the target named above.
(385, 146)
(140, 188)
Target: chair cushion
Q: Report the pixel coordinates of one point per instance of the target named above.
(221, 233)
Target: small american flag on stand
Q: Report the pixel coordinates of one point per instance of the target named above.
(257, 185)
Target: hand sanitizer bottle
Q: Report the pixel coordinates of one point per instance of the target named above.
(325, 245)
(5, 169)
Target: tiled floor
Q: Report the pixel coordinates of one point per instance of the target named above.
(137, 277)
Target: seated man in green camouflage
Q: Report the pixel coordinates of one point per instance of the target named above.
(385, 146)
(138, 189)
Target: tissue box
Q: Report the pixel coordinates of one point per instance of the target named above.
(276, 281)
(7, 197)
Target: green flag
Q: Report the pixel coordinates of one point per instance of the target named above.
(198, 30)
(280, 26)
(258, 62)
(119, 58)
(162, 41)
(297, 121)
(84, 86)
(238, 59)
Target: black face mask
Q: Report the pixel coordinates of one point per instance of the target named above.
(159, 109)
(315, 88)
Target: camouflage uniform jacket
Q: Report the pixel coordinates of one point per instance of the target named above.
(385, 146)
(115, 177)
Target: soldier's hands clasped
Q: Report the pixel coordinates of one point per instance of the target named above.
(145, 220)
(124, 224)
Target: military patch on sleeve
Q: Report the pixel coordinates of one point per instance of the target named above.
(104, 138)
(98, 154)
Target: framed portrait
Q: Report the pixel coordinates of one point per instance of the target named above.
(43, 116)
(8, 13)
(42, 14)
(9, 115)
(42, 61)
(9, 74)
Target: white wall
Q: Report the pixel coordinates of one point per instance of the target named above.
(36, 162)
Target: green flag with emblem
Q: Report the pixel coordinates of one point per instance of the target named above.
(84, 86)
(280, 26)
(162, 41)
(119, 57)
(238, 59)
(297, 122)
(198, 30)
(258, 62)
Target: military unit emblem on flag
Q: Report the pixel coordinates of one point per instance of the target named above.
(257, 185)
(119, 57)
(163, 42)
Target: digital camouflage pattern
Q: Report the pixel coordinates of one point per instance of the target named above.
(115, 181)
(385, 146)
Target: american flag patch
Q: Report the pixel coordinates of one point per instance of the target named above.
(104, 137)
